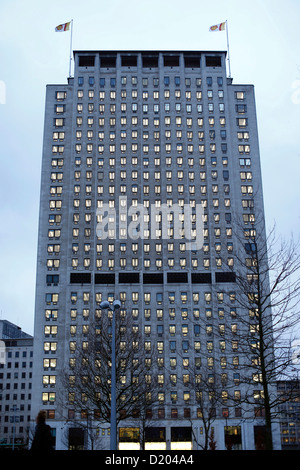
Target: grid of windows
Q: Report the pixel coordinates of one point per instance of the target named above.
(183, 151)
(170, 135)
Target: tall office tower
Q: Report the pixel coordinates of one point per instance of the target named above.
(131, 136)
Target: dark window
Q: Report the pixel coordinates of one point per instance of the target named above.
(225, 174)
(224, 148)
(213, 61)
(228, 217)
(52, 279)
(108, 61)
(225, 277)
(250, 248)
(177, 277)
(201, 278)
(105, 278)
(171, 61)
(76, 439)
(241, 108)
(153, 278)
(181, 434)
(80, 278)
(86, 61)
(129, 60)
(150, 61)
(155, 434)
(129, 278)
(191, 62)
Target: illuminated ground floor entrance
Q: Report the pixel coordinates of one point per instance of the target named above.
(155, 438)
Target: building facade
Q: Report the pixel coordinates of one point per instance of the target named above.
(131, 135)
(16, 366)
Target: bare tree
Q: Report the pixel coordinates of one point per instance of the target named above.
(267, 294)
(206, 381)
(87, 380)
(208, 396)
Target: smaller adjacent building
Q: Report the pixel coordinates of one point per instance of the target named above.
(289, 390)
(16, 365)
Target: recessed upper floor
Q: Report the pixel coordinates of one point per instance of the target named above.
(149, 59)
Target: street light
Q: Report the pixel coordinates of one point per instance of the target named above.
(113, 407)
(14, 420)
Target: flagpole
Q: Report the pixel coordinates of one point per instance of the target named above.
(228, 56)
(71, 48)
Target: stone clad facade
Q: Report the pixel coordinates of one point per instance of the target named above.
(146, 129)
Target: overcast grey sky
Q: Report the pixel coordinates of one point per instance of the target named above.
(264, 51)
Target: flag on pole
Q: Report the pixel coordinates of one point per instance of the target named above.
(63, 27)
(218, 27)
(66, 27)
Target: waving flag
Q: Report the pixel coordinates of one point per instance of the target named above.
(218, 27)
(63, 27)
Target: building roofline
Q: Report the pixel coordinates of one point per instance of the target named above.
(148, 51)
(15, 338)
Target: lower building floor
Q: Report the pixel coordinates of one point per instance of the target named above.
(166, 435)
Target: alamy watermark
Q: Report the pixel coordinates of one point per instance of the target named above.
(296, 92)
(158, 221)
(2, 92)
